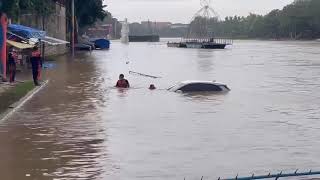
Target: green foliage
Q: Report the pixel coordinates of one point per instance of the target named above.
(41, 7)
(299, 20)
(88, 12)
(13, 8)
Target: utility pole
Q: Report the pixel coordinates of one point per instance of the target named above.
(42, 45)
(73, 28)
(3, 45)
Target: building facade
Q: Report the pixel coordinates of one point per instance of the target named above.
(55, 26)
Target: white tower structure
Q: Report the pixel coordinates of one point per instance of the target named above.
(125, 31)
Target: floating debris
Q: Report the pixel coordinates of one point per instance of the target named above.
(141, 74)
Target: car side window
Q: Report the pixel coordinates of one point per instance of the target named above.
(188, 87)
(212, 87)
(200, 87)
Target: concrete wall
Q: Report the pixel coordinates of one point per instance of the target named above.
(55, 26)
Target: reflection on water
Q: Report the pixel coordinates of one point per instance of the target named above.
(59, 133)
(81, 127)
(205, 60)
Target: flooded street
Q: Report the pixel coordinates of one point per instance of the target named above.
(81, 127)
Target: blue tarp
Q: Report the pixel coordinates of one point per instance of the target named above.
(26, 32)
(101, 43)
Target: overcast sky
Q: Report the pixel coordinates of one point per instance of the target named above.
(183, 10)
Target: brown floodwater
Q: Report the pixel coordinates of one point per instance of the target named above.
(81, 127)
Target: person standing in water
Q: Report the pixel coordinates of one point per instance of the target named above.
(12, 66)
(36, 65)
(122, 82)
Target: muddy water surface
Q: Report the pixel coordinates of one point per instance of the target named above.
(80, 127)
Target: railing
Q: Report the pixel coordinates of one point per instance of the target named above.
(227, 41)
(272, 176)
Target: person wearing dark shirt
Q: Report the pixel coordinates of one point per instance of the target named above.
(12, 67)
(122, 82)
(36, 65)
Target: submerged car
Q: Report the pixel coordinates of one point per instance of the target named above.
(199, 86)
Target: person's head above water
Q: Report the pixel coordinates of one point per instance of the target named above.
(121, 76)
(152, 87)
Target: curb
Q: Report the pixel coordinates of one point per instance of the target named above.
(15, 106)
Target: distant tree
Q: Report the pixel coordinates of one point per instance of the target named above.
(12, 8)
(298, 20)
(272, 24)
(89, 11)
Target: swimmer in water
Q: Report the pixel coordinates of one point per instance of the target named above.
(122, 82)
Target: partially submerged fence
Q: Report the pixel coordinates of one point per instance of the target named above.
(273, 176)
(227, 41)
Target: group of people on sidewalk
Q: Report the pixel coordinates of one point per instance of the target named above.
(36, 64)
